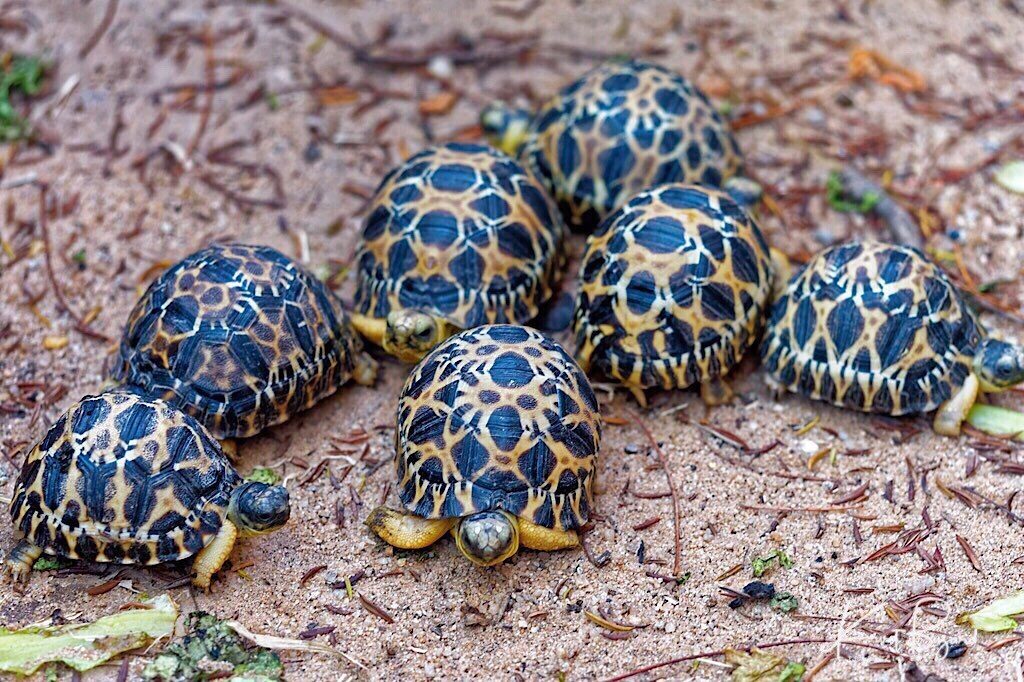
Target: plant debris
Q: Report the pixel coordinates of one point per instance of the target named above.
(761, 666)
(997, 421)
(83, 646)
(1011, 176)
(47, 563)
(996, 617)
(783, 601)
(760, 565)
(210, 648)
(264, 475)
(24, 74)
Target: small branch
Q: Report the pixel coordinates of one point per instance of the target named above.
(80, 324)
(769, 645)
(902, 226)
(104, 26)
(204, 115)
(671, 487)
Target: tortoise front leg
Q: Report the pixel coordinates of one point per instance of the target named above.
(715, 392)
(533, 536)
(407, 531)
(212, 557)
(952, 413)
(21, 559)
(365, 370)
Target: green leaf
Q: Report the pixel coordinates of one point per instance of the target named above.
(997, 421)
(761, 564)
(78, 256)
(793, 672)
(264, 475)
(784, 601)
(24, 73)
(45, 563)
(835, 192)
(996, 616)
(1011, 176)
(83, 646)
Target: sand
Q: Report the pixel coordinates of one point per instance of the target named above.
(525, 619)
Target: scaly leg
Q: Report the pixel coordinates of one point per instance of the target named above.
(212, 557)
(20, 560)
(230, 448)
(953, 412)
(407, 531)
(783, 271)
(715, 392)
(533, 536)
(639, 395)
(365, 370)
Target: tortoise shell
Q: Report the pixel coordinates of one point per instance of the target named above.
(498, 417)
(621, 128)
(124, 479)
(240, 337)
(672, 288)
(871, 326)
(463, 232)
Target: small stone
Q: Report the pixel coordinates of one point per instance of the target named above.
(759, 590)
(312, 154)
(808, 447)
(441, 66)
(952, 649)
(670, 627)
(631, 449)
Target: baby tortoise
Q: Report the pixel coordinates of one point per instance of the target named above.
(457, 236)
(672, 291)
(241, 338)
(124, 479)
(879, 328)
(621, 128)
(498, 434)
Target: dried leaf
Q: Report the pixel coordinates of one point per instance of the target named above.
(55, 342)
(439, 104)
(286, 644)
(758, 666)
(608, 624)
(337, 96)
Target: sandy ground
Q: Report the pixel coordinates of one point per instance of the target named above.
(302, 105)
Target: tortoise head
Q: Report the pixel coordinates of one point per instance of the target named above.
(411, 334)
(488, 538)
(257, 508)
(999, 365)
(505, 127)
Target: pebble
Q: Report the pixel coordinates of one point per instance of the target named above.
(814, 116)
(441, 66)
(809, 447)
(918, 584)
